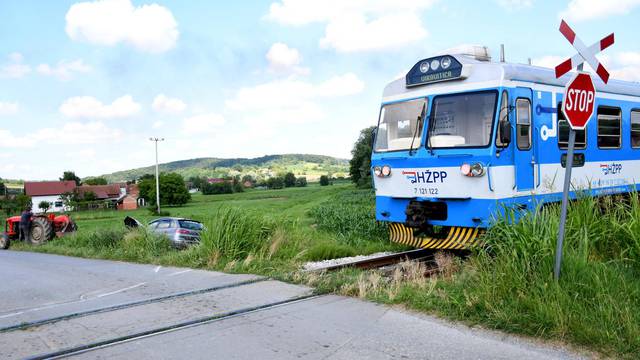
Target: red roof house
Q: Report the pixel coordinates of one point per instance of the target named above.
(48, 188)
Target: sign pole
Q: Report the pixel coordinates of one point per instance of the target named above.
(565, 200)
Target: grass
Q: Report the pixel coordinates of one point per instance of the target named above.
(506, 285)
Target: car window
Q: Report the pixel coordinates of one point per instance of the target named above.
(154, 224)
(190, 225)
(164, 224)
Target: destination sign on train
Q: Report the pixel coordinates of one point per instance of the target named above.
(441, 68)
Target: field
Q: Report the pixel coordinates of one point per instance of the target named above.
(507, 285)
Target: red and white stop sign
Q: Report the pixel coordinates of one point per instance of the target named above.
(579, 97)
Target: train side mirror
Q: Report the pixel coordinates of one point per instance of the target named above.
(505, 132)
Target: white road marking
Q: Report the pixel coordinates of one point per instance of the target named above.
(121, 290)
(180, 272)
(158, 268)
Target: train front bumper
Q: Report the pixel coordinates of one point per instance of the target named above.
(456, 238)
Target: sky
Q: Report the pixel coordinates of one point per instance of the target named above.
(84, 85)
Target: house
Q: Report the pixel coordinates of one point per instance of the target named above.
(111, 192)
(131, 200)
(217, 180)
(49, 191)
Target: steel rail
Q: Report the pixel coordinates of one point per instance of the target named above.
(26, 325)
(71, 351)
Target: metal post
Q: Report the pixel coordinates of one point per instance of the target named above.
(157, 175)
(565, 200)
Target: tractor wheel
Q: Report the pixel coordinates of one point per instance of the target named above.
(41, 230)
(4, 241)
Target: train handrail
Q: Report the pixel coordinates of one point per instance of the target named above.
(489, 176)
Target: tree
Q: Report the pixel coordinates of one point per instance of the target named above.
(173, 190)
(275, 182)
(289, 179)
(3, 188)
(301, 182)
(360, 163)
(146, 183)
(89, 196)
(217, 188)
(71, 176)
(96, 181)
(44, 206)
(324, 180)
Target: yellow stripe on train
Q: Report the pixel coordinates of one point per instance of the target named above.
(457, 237)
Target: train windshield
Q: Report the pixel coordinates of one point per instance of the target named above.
(462, 120)
(400, 126)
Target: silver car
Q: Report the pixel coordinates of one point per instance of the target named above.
(182, 232)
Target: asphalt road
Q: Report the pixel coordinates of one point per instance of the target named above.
(52, 303)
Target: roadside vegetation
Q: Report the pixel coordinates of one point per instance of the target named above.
(506, 285)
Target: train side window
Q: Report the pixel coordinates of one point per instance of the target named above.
(635, 129)
(563, 132)
(503, 115)
(609, 128)
(523, 124)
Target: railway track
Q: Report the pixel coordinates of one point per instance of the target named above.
(76, 350)
(105, 322)
(425, 255)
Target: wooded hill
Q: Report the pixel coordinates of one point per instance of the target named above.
(311, 166)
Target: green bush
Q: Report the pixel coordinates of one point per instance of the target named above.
(324, 180)
(224, 187)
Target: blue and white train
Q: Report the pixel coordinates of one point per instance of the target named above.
(460, 137)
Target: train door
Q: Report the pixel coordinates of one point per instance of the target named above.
(524, 153)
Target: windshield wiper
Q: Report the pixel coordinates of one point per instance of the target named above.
(418, 126)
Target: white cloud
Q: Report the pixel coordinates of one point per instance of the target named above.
(622, 65)
(580, 10)
(90, 107)
(283, 59)
(290, 101)
(14, 68)
(549, 61)
(64, 69)
(72, 133)
(149, 28)
(157, 124)
(355, 33)
(202, 124)
(8, 108)
(515, 4)
(167, 105)
(357, 25)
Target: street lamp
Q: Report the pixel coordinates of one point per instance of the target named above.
(157, 174)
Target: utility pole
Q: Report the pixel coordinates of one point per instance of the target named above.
(157, 175)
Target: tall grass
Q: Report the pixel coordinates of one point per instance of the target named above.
(351, 216)
(234, 234)
(509, 283)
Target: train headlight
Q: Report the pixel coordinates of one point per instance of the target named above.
(386, 170)
(445, 62)
(472, 170)
(377, 171)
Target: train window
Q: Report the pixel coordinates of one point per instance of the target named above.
(523, 124)
(401, 125)
(504, 115)
(462, 120)
(635, 129)
(563, 132)
(609, 133)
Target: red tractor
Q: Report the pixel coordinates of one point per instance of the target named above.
(43, 228)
